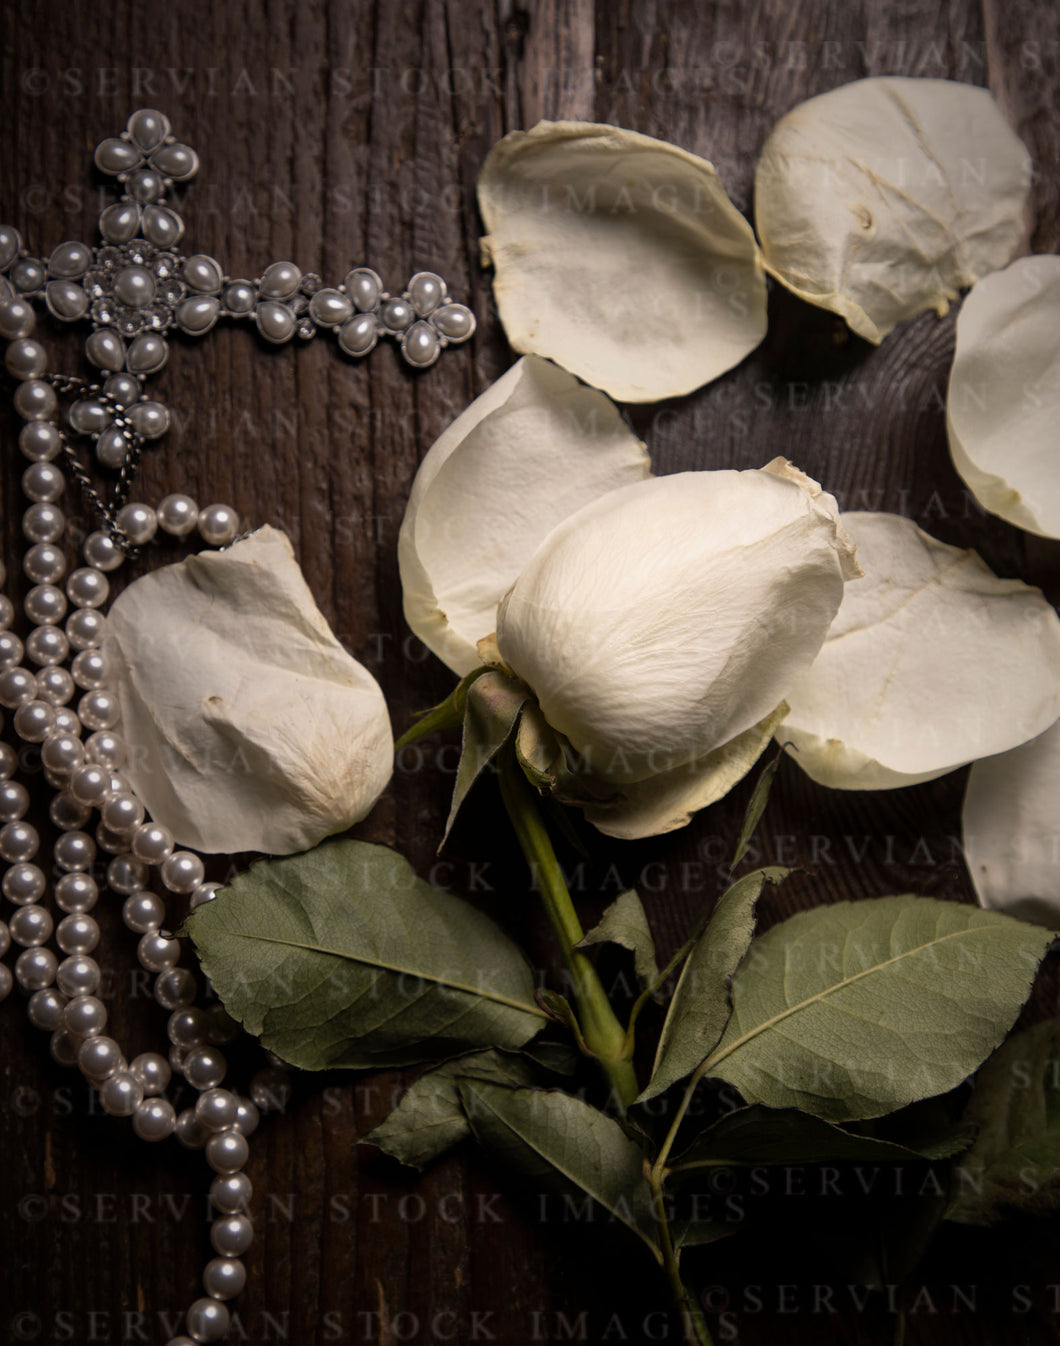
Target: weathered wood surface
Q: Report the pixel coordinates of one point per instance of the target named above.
(338, 134)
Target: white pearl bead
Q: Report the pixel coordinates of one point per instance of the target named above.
(248, 1117)
(47, 646)
(91, 669)
(74, 850)
(7, 981)
(105, 749)
(138, 522)
(99, 1057)
(89, 784)
(56, 686)
(182, 872)
(43, 523)
(152, 1070)
(39, 441)
(175, 988)
(5, 938)
(18, 841)
(76, 892)
(34, 721)
(78, 975)
(77, 933)
(87, 587)
(31, 926)
(45, 1009)
(99, 551)
(122, 812)
(157, 952)
(43, 482)
(126, 874)
(17, 319)
(35, 969)
(227, 1152)
(187, 1028)
(190, 1131)
(14, 800)
(7, 612)
(204, 1067)
(152, 843)
(84, 628)
(154, 1119)
(16, 686)
(8, 759)
(206, 892)
(224, 1277)
(35, 400)
(24, 884)
(231, 1192)
(178, 515)
(99, 710)
(85, 1016)
(217, 1110)
(44, 563)
(231, 1236)
(143, 912)
(11, 651)
(120, 1094)
(218, 525)
(45, 604)
(207, 1320)
(62, 753)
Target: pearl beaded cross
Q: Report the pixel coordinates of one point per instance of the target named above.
(136, 286)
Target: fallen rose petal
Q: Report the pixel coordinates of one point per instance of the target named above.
(889, 196)
(620, 257)
(534, 448)
(1003, 404)
(1012, 830)
(253, 728)
(931, 662)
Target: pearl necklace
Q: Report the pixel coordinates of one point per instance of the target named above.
(132, 288)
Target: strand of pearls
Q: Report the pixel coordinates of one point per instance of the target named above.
(67, 627)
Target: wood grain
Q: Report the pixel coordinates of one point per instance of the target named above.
(339, 134)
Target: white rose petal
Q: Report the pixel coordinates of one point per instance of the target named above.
(620, 257)
(1012, 829)
(534, 448)
(667, 618)
(1003, 406)
(931, 662)
(889, 196)
(251, 728)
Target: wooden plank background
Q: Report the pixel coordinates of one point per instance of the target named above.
(338, 134)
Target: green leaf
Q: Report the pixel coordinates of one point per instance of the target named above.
(446, 715)
(625, 923)
(856, 1009)
(760, 1135)
(1015, 1161)
(341, 956)
(430, 1116)
(556, 1139)
(756, 807)
(491, 714)
(700, 1006)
